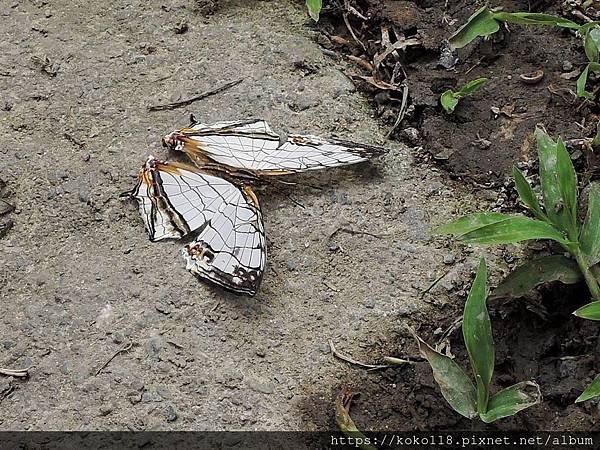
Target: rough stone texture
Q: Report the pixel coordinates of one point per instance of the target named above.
(79, 279)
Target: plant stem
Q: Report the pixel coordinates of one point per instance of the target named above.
(590, 279)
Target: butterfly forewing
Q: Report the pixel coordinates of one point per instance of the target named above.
(252, 145)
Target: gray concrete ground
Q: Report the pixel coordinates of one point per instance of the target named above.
(79, 279)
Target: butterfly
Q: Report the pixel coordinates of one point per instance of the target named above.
(213, 199)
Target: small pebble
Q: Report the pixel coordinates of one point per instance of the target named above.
(8, 344)
(118, 338)
(134, 397)
(449, 259)
(66, 367)
(411, 134)
(180, 27)
(84, 196)
(162, 308)
(324, 348)
(105, 410)
(171, 414)
(155, 345)
(369, 303)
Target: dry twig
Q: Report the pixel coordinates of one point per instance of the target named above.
(189, 101)
(350, 360)
(354, 232)
(125, 348)
(18, 373)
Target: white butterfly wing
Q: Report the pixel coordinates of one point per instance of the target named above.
(253, 146)
(175, 199)
(230, 249)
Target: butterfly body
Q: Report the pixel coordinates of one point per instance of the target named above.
(214, 201)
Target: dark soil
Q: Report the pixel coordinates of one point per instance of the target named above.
(475, 143)
(536, 338)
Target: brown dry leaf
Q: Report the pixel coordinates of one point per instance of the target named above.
(362, 63)
(398, 45)
(339, 40)
(379, 83)
(571, 75)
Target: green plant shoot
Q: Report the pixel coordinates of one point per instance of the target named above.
(345, 422)
(485, 22)
(450, 99)
(596, 140)
(314, 8)
(556, 218)
(457, 387)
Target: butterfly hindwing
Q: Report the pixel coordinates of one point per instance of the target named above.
(231, 249)
(176, 200)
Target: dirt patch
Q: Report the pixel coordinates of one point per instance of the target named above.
(536, 339)
(491, 130)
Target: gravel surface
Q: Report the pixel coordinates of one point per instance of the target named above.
(81, 283)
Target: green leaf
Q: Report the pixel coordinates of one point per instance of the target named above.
(537, 272)
(449, 100)
(525, 18)
(470, 222)
(345, 422)
(513, 229)
(582, 82)
(498, 228)
(472, 86)
(555, 205)
(589, 241)
(592, 43)
(528, 197)
(477, 332)
(511, 400)
(593, 390)
(314, 8)
(596, 140)
(480, 24)
(591, 311)
(456, 387)
(567, 182)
